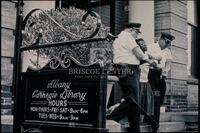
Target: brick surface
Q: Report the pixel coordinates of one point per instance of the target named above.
(178, 8)
(8, 14)
(8, 9)
(179, 55)
(8, 22)
(192, 97)
(181, 39)
(179, 87)
(8, 4)
(6, 77)
(6, 71)
(176, 96)
(162, 21)
(183, 1)
(6, 64)
(179, 71)
(170, 21)
(5, 88)
(178, 24)
(164, 5)
(7, 42)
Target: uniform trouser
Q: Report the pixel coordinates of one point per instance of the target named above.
(130, 88)
(158, 86)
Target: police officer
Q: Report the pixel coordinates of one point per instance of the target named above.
(127, 56)
(157, 76)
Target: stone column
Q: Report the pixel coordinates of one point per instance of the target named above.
(171, 16)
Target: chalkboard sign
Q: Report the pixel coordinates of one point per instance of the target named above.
(68, 95)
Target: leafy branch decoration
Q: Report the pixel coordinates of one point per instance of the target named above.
(63, 25)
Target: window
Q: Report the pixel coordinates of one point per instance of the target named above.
(102, 7)
(83, 4)
(192, 51)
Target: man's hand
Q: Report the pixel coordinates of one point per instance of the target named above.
(164, 74)
(158, 58)
(152, 63)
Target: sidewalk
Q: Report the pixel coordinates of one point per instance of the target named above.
(169, 122)
(6, 123)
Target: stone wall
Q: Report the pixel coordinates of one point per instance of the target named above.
(8, 16)
(193, 95)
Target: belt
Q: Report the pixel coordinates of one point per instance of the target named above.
(156, 93)
(129, 65)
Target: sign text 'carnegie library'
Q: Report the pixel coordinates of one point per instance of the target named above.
(60, 96)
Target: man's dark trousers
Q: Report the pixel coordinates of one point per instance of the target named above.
(158, 86)
(129, 84)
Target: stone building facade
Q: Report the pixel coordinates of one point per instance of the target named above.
(155, 16)
(171, 16)
(8, 23)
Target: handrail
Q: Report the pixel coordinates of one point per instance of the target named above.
(57, 44)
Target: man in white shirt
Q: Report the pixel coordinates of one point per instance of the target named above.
(127, 56)
(157, 76)
(146, 93)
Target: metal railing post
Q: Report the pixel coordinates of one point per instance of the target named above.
(16, 64)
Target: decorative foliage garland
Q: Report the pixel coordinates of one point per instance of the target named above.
(71, 20)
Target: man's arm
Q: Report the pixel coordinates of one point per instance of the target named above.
(158, 58)
(140, 55)
(166, 69)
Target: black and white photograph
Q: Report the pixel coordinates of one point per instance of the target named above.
(99, 66)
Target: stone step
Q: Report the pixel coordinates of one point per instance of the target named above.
(189, 118)
(164, 127)
(172, 127)
(7, 123)
(114, 126)
(185, 117)
(6, 128)
(179, 116)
